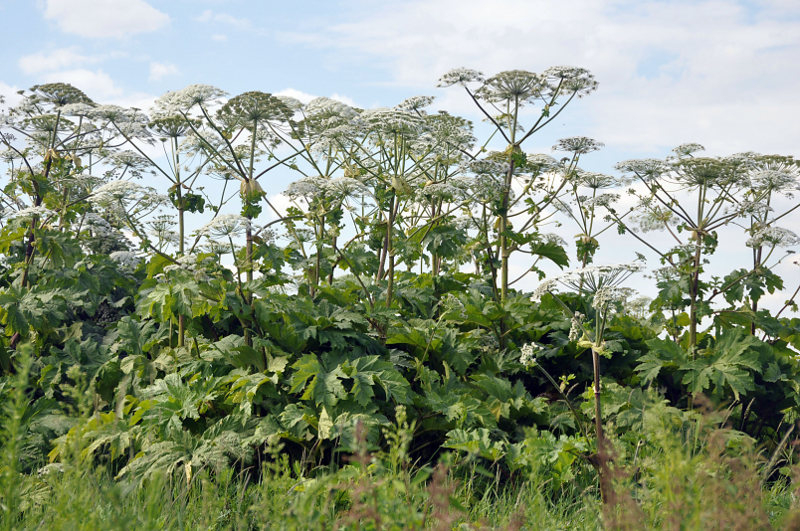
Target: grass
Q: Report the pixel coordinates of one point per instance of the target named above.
(696, 475)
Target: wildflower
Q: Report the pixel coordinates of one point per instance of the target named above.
(592, 278)
(684, 150)
(225, 226)
(252, 108)
(578, 144)
(595, 180)
(638, 307)
(115, 190)
(645, 169)
(541, 163)
(758, 209)
(653, 218)
(128, 162)
(780, 180)
(415, 103)
(293, 104)
(98, 225)
(544, 287)
(27, 214)
(528, 354)
(77, 109)
(459, 76)
(602, 200)
(488, 167)
(385, 120)
(576, 326)
(180, 101)
(571, 79)
(607, 296)
(59, 94)
(126, 260)
(773, 236)
(516, 85)
(307, 188)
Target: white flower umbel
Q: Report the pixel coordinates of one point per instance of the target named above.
(27, 214)
(126, 260)
(590, 279)
(459, 76)
(180, 101)
(644, 169)
(99, 226)
(115, 190)
(415, 103)
(774, 237)
(785, 180)
(225, 226)
(578, 144)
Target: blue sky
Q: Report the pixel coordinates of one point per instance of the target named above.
(719, 72)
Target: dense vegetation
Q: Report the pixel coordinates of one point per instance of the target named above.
(187, 353)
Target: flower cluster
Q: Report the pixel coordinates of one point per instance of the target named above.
(180, 101)
(115, 190)
(645, 169)
(98, 225)
(515, 85)
(126, 260)
(578, 144)
(602, 200)
(528, 354)
(415, 103)
(652, 217)
(392, 121)
(784, 180)
(685, 150)
(571, 79)
(773, 236)
(27, 214)
(576, 326)
(459, 76)
(607, 296)
(225, 226)
(758, 209)
(590, 279)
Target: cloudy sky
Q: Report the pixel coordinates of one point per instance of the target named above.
(719, 72)
(722, 72)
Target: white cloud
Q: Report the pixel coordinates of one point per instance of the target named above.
(159, 71)
(105, 18)
(343, 99)
(54, 60)
(281, 203)
(96, 84)
(219, 37)
(9, 94)
(223, 18)
(305, 97)
(719, 72)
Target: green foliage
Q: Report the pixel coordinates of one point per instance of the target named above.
(360, 363)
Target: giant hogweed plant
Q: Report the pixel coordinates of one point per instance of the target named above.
(726, 359)
(261, 371)
(52, 141)
(502, 99)
(723, 192)
(603, 284)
